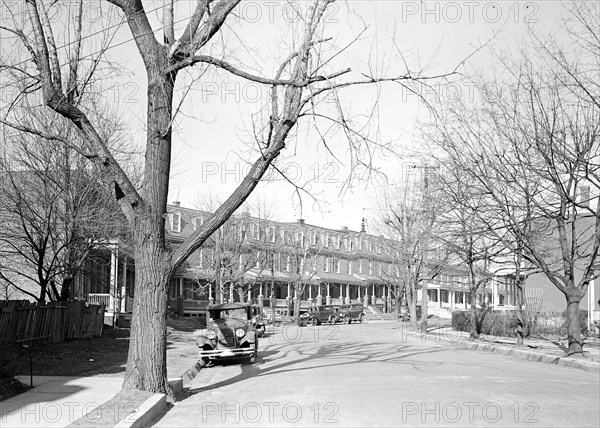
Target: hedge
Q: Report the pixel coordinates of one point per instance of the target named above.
(504, 323)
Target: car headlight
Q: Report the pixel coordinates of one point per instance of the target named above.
(210, 335)
(240, 332)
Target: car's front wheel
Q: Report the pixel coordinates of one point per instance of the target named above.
(204, 362)
(332, 320)
(314, 322)
(346, 319)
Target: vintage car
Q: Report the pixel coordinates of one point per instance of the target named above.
(320, 314)
(229, 334)
(349, 313)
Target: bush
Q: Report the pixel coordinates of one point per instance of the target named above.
(504, 323)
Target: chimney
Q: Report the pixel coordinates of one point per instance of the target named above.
(362, 225)
(300, 221)
(344, 228)
(177, 203)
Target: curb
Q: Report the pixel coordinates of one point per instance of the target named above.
(519, 353)
(190, 374)
(147, 411)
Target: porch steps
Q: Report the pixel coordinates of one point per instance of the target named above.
(373, 314)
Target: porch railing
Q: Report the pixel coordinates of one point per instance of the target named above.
(99, 299)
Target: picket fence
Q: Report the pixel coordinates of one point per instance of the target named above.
(26, 323)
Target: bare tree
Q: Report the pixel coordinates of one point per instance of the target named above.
(531, 150)
(55, 214)
(303, 76)
(410, 213)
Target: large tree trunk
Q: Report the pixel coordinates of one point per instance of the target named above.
(147, 357)
(573, 327)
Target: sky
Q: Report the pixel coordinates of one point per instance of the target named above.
(209, 155)
(213, 130)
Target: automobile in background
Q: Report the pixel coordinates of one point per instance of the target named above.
(349, 313)
(317, 315)
(229, 334)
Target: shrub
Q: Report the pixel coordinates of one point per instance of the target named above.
(504, 323)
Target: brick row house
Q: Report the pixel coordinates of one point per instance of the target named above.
(265, 262)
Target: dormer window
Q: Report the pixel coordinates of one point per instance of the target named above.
(197, 222)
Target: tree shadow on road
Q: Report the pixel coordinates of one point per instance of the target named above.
(328, 355)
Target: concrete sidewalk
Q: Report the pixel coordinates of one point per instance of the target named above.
(57, 401)
(534, 349)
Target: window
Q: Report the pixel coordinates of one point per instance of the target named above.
(371, 267)
(335, 265)
(254, 231)
(257, 262)
(314, 238)
(351, 244)
(360, 244)
(326, 243)
(197, 222)
(326, 267)
(270, 234)
(360, 266)
(349, 268)
(459, 297)
(288, 262)
(444, 296)
(201, 260)
(433, 295)
(176, 222)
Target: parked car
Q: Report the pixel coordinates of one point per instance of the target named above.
(229, 334)
(349, 313)
(404, 313)
(317, 315)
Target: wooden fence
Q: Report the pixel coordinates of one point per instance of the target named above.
(23, 322)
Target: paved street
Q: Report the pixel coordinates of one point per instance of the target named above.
(376, 375)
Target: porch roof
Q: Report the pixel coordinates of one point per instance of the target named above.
(338, 278)
(369, 279)
(257, 275)
(195, 273)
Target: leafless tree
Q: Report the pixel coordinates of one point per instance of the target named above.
(532, 149)
(60, 76)
(410, 213)
(54, 212)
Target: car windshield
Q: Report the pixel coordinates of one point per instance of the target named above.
(235, 313)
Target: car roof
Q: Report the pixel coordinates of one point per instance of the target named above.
(227, 306)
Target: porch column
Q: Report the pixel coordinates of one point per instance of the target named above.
(451, 294)
(328, 297)
(211, 300)
(319, 297)
(373, 297)
(494, 293)
(114, 273)
(181, 287)
(347, 294)
(122, 308)
(250, 295)
(439, 296)
(231, 297)
(310, 294)
(260, 295)
(289, 291)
